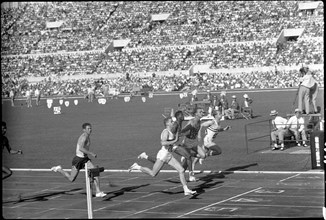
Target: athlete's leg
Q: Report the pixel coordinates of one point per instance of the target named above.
(96, 179)
(147, 157)
(184, 152)
(6, 172)
(194, 161)
(201, 152)
(214, 150)
(156, 168)
(73, 174)
(176, 165)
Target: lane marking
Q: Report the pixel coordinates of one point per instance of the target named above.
(289, 177)
(174, 171)
(216, 203)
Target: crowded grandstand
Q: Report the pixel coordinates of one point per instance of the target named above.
(62, 48)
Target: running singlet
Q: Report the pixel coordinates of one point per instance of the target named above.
(193, 132)
(164, 154)
(212, 131)
(170, 138)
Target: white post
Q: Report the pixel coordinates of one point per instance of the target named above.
(322, 124)
(89, 194)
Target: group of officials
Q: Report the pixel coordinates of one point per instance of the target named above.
(295, 125)
(283, 127)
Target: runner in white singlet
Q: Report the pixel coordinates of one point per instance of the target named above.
(213, 128)
(168, 139)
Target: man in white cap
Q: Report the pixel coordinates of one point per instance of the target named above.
(278, 130)
(234, 108)
(246, 105)
(296, 126)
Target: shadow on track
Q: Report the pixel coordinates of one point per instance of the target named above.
(37, 197)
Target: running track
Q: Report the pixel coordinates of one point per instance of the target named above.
(236, 194)
(260, 184)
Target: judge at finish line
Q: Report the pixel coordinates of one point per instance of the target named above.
(307, 91)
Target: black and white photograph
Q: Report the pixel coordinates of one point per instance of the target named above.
(163, 109)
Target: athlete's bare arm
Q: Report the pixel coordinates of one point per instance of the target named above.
(204, 125)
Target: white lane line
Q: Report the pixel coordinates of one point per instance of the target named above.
(218, 202)
(174, 171)
(289, 177)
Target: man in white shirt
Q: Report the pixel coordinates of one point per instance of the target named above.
(246, 105)
(29, 97)
(296, 126)
(307, 85)
(12, 97)
(279, 124)
(37, 95)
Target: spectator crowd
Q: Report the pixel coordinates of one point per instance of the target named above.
(223, 34)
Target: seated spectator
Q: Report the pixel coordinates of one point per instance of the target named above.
(278, 130)
(296, 127)
(246, 106)
(222, 104)
(234, 108)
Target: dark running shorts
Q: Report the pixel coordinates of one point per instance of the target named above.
(79, 162)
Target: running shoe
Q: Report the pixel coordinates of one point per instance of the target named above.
(192, 179)
(282, 148)
(135, 166)
(56, 168)
(190, 192)
(142, 156)
(100, 194)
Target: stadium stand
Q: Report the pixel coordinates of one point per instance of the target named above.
(55, 39)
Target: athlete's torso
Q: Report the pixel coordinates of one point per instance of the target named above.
(170, 138)
(193, 131)
(212, 130)
(87, 143)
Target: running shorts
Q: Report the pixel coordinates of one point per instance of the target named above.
(164, 155)
(79, 162)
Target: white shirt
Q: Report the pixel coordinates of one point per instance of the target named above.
(280, 122)
(307, 81)
(296, 123)
(37, 92)
(212, 131)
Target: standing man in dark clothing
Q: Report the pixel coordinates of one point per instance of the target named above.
(6, 171)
